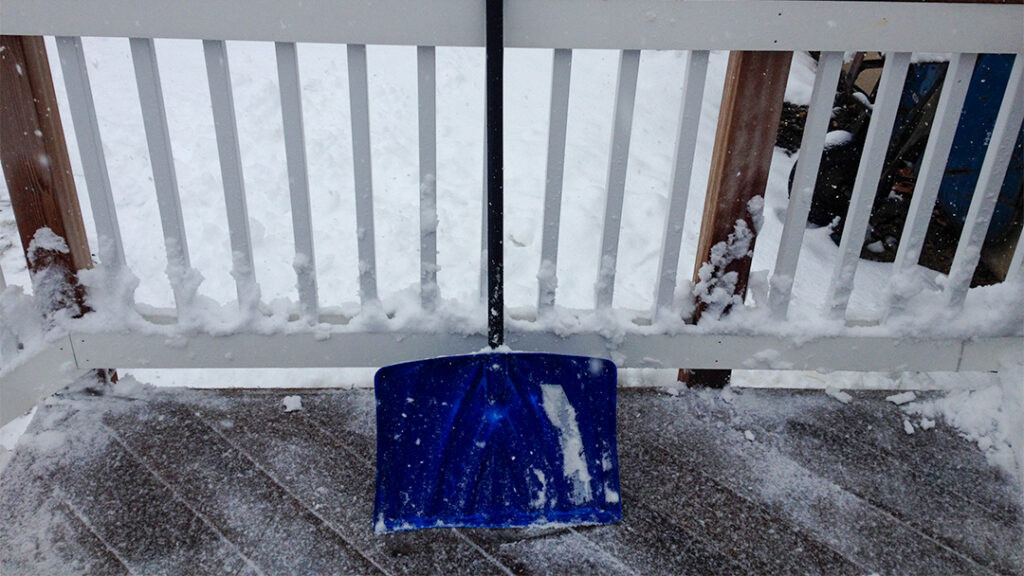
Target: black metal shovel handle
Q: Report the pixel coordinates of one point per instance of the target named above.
(494, 43)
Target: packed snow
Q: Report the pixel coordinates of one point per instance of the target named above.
(902, 397)
(838, 394)
(562, 416)
(292, 403)
(979, 407)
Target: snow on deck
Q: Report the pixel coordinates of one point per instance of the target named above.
(759, 482)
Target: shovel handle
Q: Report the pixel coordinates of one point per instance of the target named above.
(494, 42)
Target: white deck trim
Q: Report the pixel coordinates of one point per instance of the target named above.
(36, 377)
(692, 350)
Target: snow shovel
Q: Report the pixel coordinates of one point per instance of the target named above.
(496, 439)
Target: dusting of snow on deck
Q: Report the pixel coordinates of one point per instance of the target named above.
(563, 416)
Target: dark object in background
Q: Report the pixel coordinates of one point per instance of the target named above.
(916, 110)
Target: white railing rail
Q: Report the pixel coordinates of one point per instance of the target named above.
(899, 29)
(607, 24)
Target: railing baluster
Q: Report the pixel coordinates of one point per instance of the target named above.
(682, 169)
(990, 183)
(90, 148)
(547, 280)
(8, 340)
(629, 67)
(483, 218)
(298, 177)
(933, 166)
(811, 145)
(1015, 273)
(360, 112)
(183, 279)
(226, 128)
(869, 172)
(427, 98)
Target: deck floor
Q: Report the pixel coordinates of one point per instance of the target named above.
(758, 482)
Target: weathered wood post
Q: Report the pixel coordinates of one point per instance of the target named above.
(37, 169)
(755, 84)
(38, 173)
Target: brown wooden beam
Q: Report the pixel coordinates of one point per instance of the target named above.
(38, 172)
(755, 84)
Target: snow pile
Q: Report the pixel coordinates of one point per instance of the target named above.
(838, 394)
(902, 398)
(292, 403)
(574, 464)
(992, 417)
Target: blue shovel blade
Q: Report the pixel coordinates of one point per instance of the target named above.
(496, 440)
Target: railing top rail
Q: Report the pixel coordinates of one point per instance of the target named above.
(608, 24)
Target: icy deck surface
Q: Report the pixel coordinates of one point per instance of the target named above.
(768, 482)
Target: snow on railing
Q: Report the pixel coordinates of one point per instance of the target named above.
(306, 335)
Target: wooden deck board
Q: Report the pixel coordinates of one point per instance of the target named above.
(249, 507)
(704, 432)
(936, 455)
(337, 481)
(954, 522)
(226, 482)
(650, 543)
(141, 522)
(716, 514)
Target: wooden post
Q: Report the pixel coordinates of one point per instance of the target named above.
(755, 84)
(38, 173)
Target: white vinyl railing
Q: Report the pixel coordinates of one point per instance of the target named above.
(628, 26)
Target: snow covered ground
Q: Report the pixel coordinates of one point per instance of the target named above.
(981, 407)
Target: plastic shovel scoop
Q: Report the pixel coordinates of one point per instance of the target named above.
(496, 439)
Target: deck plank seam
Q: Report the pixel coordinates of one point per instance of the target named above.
(611, 557)
(177, 494)
(909, 521)
(925, 533)
(763, 508)
(659, 445)
(316, 426)
(734, 475)
(910, 526)
(337, 443)
(77, 515)
(302, 504)
(893, 459)
(331, 437)
(766, 512)
(709, 544)
(476, 546)
(945, 432)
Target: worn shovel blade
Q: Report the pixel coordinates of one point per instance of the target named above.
(496, 440)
